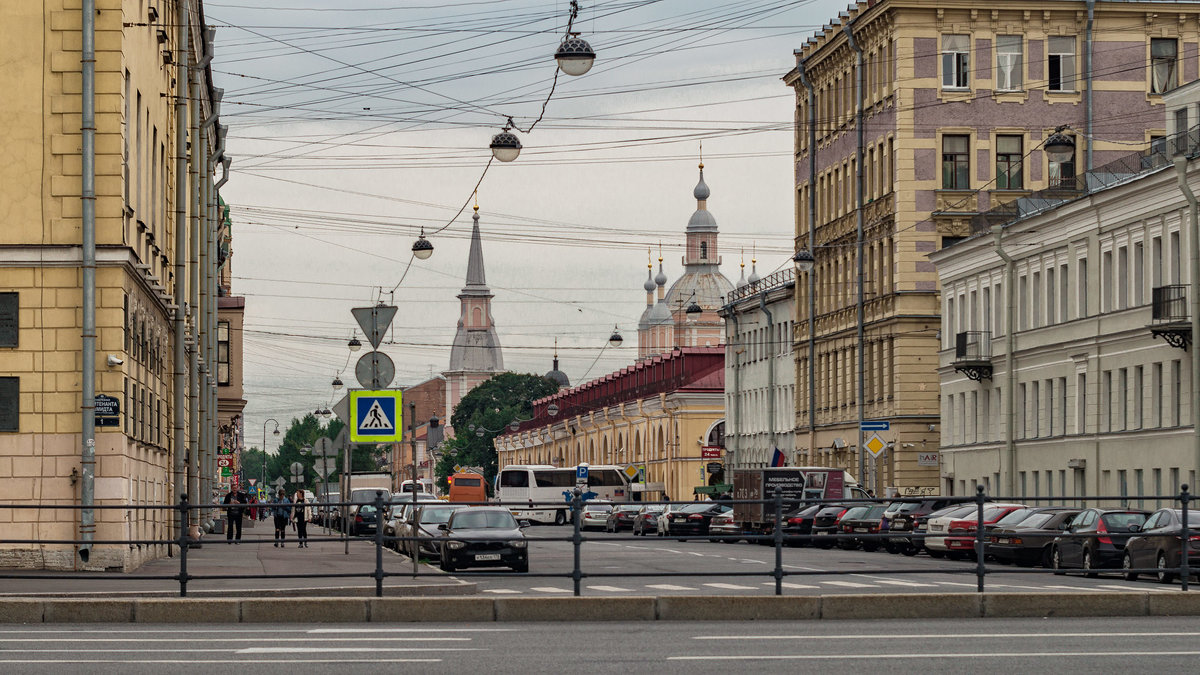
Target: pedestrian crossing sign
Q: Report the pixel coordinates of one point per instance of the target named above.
(376, 416)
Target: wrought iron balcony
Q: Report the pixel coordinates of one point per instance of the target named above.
(1170, 316)
(973, 354)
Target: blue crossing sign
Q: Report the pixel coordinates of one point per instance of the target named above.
(375, 416)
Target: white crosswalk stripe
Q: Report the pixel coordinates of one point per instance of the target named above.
(550, 589)
(1115, 587)
(731, 587)
(848, 584)
(790, 585)
(911, 584)
(609, 589)
(670, 587)
(500, 590)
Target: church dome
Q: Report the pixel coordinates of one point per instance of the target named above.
(710, 289)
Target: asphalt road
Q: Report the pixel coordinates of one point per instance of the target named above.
(743, 568)
(935, 646)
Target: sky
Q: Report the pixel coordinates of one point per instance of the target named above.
(353, 124)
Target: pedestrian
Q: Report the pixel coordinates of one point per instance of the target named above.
(233, 500)
(281, 508)
(301, 518)
(253, 507)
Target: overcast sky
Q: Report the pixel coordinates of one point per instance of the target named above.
(354, 123)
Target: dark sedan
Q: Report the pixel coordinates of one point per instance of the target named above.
(483, 536)
(621, 517)
(1029, 542)
(1095, 539)
(798, 525)
(1158, 545)
(825, 523)
(902, 518)
(647, 518)
(868, 522)
(364, 520)
(694, 519)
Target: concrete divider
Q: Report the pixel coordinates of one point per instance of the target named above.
(746, 608)
(1065, 604)
(432, 609)
(901, 606)
(187, 610)
(88, 611)
(1174, 604)
(21, 611)
(575, 609)
(304, 610)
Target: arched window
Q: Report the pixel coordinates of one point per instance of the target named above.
(704, 250)
(477, 317)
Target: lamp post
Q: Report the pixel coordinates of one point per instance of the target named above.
(262, 474)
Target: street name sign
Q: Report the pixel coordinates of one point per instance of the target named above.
(375, 416)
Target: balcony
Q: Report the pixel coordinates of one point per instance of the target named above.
(973, 354)
(1170, 318)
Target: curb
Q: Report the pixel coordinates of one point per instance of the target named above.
(665, 608)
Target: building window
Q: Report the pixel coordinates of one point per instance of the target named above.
(1062, 174)
(1163, 55)
(704, 250)
(223, 353)
(956, 163)
(1008, 63)
(1062, 64)
(1008, 163)
(955, 55)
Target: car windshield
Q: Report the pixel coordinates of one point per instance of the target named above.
(597, 508)
(367, 496)
(440, 514)
(657, 508)
(1120, 522)
(699, 507)
(956, 512)
(1013, 518)
(874, 512)
(1036, 520)
(903, 507)
(629, 509)
(856, 512)
(483, 520)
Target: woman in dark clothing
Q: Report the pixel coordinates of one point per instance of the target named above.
(301, 516)
(281, 508)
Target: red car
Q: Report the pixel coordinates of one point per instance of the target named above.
(953, 535)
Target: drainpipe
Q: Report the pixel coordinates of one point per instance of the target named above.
(762, 304)
(859, 240)
(194, 479)
(1010, 341)
(87, 516)
(1181, 166)
(180, 446)
(812, 244)
(737, 389)
(1088, 44)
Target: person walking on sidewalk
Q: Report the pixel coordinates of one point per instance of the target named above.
(233, 499)
(301, 516)
(281, 508)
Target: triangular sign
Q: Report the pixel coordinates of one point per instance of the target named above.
(377, 419)
(374, 321)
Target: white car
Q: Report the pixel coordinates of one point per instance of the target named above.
(595, 514)
(958, 526)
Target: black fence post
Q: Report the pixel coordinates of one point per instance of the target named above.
(778, 536)
(379, 543)
(980, 569)
(1185, 540)
(576, 538)
(183, 545)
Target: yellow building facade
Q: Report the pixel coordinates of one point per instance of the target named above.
(137, 87)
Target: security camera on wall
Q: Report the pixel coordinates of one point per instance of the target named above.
(114, 360)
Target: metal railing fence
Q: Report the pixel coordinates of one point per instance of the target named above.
(773, 535)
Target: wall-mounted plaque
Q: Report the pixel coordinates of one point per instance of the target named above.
(9, 319)
(10, 403)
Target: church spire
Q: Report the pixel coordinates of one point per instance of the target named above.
(476, 347)
(475, 275)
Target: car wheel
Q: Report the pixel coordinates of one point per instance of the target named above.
(956, 555)
(1164, 577)
(523, 568)
(1089, 570)
(560, 518)
(1056, 561)
(936, 554)
(870, 547)
(1045, 561)
(910, 550)
(446, 565)
(891, 548)
(1126, 565)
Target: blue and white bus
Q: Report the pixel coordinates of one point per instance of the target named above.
(544, 489)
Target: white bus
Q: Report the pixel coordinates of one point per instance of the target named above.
(545, 488)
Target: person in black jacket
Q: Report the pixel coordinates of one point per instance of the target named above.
(233, 500)
(281, 508)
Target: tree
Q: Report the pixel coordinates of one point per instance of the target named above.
(300, 433)
(491, 406)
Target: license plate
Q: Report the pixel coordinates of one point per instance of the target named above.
(1003, 541)
(487, 556)
(860, 529)
(820, 533)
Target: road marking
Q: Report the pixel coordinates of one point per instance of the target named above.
(731, 587)
(1117, 587)
(922, 636)
(789, 585)
(956, 583)
(934, 655)
(670, 587)
(220, 661)
(292, 650)
(848, 584)
(230, 639)
(609, 589)
(801, 567)
(1074, 588)
(550, 589)
(359, 631)
(500, 590)
(747, 560)
(897, 582)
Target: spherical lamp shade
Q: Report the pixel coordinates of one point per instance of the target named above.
(803, 260)
(1059, 147)
(514, 426)
(506, 146)
(421, 248)
(552, 409)
(615, 339)
(575, 56)
(337, 383)
(354, 344)
(694, 308)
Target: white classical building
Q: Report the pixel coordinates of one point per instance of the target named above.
(760, 369)
(1099, 392)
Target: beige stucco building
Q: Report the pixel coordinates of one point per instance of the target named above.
(142, 277)
(955, 100)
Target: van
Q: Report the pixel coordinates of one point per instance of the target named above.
(467, 487)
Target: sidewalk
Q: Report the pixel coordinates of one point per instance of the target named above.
(255, 555)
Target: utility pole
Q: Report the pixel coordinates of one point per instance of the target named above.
(412, 514)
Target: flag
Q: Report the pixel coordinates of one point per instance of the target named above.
(777, 459)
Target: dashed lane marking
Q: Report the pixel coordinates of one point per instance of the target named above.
(848, 584)
(790, 585)
(670, 587)
(609, 589)
(550, 589)
(500, 590)
(731, 587)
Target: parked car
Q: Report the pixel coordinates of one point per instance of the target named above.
(901, 518)
(1029, 542)
(694, 519)
(1095, 539)
(620, 517)
(428, 516)
(866, 522)
(798, 524)
(921, 528)
(647, 518)
(594, 514)
(825, 523)
(398, 510)
(953, 535)
(482, 536)
(364, 520)
(726, 527)
(663, 520)
(1158, 544)
(329, 510)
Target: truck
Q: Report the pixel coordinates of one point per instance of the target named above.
(797, 485)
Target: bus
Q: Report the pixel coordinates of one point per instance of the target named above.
(543, 488)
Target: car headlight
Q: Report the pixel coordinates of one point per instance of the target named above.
(455, 544)
(517, 543)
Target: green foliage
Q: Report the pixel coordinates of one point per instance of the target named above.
(300, 433)
(491, 407)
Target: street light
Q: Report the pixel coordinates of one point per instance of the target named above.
(421, 248)
(337, 383)
(575, 56)
(505, 147)
(262, 474)
(803, 260)
(615, 339)
(354, 344)
(1059, 147)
